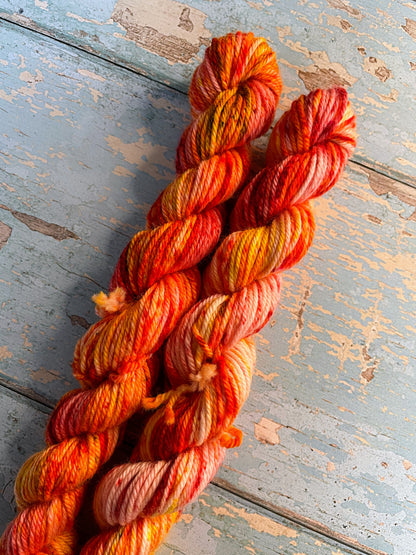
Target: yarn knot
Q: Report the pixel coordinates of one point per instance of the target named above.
(111, 303)
(204, 376)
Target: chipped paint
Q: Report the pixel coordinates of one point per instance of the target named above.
(266, 431)
(268, 377)
(141, 153)
(43, 376)
(32, 81)
(95, 94)
(346, 6)
(295, 340)
(410, 28)
(323, 72)
(326, 76)
(42, 4)
(360, 290)
(188, 518)
(391, 97)
(5, 232)
(174, 31)
(319, 26)
(5, 353)
(377, 67)
(122, 171)
(164, 104)
(258, 522)
(46, 228)
(81, 19)
(91, 75)
(79, 321)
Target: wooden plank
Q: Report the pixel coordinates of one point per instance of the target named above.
(330, 421)
(218, 523)
(75, 134)
(368, 47)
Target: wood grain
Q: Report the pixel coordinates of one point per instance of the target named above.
(368, 47)
(218, 523)
(329, 426)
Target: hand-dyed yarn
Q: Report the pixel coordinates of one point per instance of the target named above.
(210, 356)
(233, 97)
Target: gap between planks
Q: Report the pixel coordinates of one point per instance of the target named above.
(45, 406)
(384, 185)
(31, 26)
(304, 521)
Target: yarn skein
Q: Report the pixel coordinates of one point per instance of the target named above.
(233, 96)
(210, 356)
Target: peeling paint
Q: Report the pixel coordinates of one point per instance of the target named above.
(5, 232)
(83, 19)
(156, 31)
(32, 81)
(345, 6)
(378, 68)
(323, 73)
(91, 75)
(256, 521)
(79, 321)
(43, 376)
(295, 340)
(362, 216)
(164, 104)
(149, 158)
(384, 186)
(391, 97)
(330, 467)
(410, 28)
(123, 172)
(42, 4)
(46, 228)
(266, 431)
(267, 377)
(188, 518)
(5, 353)
(95, 94)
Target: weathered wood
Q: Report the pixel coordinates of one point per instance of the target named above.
(218, 523)
(329, 426)
(369, 47)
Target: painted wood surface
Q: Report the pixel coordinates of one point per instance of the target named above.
(218, 523)
(329, 426)
(369, 47)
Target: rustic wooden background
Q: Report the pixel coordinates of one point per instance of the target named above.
(92, 104)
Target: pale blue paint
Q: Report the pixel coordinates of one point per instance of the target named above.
(46, 281)
(334, 27)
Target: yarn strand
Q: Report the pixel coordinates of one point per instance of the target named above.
(210, 356)
(233, 95)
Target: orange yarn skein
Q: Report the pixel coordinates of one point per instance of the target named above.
(233, 94)
(210, 355)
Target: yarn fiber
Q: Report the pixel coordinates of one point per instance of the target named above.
(210, 356)
(233, 95)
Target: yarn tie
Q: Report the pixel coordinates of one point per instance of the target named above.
(272, 227)
(233, 96)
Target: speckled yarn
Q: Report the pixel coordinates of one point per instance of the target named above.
(233, 96)
(210, 355)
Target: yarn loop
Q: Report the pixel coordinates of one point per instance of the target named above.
(272, 227)
(233, 98)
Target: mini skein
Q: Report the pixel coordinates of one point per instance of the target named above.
(210, 356)
(233, 95)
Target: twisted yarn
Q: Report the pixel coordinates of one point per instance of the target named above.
(233, 96)
(210, 356)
